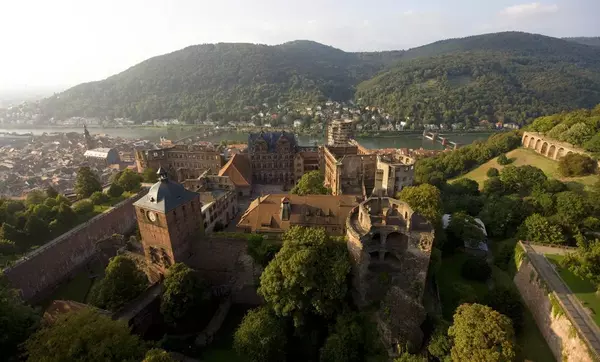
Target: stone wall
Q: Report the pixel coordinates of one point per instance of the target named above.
(222, 260)
(557, 329)
(548, 147)
(49, 265)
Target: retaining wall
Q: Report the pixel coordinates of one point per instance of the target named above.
(558, 331)
(49, 265)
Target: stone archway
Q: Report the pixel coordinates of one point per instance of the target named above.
(531, 142)
(525, 140)
(552, 151)
(560, 153)
(544, 148)
(538, 144)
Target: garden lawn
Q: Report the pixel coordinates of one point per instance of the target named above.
(524, 156)
(583, 289)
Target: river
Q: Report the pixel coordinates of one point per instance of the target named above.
(412, 140)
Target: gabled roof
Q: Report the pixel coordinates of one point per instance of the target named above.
(165, 195)
(271, 138)
(239, 170)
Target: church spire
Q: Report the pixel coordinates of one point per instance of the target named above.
(89, 142)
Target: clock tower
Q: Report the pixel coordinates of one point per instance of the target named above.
(170, 221)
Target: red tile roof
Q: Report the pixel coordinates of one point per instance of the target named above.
(238, 169)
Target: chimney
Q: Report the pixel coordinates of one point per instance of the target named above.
(286, 209)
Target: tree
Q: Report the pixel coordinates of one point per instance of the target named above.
(98, 198)
(571, 207)
(536, 228)
(575, 164)
(493, 172)
(508, 302)
(185, 294)
(18, 321)
(463, 228)
(347, 341)
(311, 183)
(85, 336)
(51, 192)
(149, 175)
(115, 190)
(123, 281)
(425, 200)
(261, 336)
(83, 207)
(493, 186)
(503, 160)
(35, 197)
(65, 216)
(308, 275)
(261, 250)
(522, 179)
(130, 180)
(476, 269)
(86, 183)
(158, 355)
(37, 229)
(481, 334)
(440, 345)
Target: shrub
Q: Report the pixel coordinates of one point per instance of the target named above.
(83, 207)
(98, 198)
(7, 247)
(476, 269)
(115, 190)
(493, 172)
(507, 302)
(503, 160)
(575, 164)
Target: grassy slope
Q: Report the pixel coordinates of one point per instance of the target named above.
(532, 345)
(583, 288)
(523, 156)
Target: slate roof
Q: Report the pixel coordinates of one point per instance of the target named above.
(239, 170)
(165, 195)
(271, 138)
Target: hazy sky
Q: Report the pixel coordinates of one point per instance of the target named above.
(66, 42)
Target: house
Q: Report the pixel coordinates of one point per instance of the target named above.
(239, 170)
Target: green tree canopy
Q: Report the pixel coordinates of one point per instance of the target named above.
(185, 294)
(149, 175)
(311, 183)
(158, 355)
(115, 190)
(130, 180)
(425, 200)
(308, 275)
(51, 192)
(481, 334)
(575, 164)
(17, 321)
(522, 179)
(348, 341)
(86, 183)
(262, 336)
(123, 281)
(536, 228)
(464, 228)
(85, 336)
(35, 197)
(585, 262)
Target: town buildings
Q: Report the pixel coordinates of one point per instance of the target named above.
(340, 132)
(272, 156)
(347, 172)
(394, 172)
(275, 214)
(106, 156)
(181, 161)
(239, 171)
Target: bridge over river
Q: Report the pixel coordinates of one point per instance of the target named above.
(442, 139)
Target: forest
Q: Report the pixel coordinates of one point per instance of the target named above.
(504, 76)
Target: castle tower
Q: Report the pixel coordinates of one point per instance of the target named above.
(170, 221)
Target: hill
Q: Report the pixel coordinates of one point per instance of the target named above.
(504, 76)
(586, 40)
(201, 79)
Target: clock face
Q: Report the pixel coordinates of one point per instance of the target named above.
(151, 216)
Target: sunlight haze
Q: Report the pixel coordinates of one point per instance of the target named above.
(62, 43)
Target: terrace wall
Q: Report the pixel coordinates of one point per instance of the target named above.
(46, 267)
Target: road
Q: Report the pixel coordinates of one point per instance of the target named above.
(575, 310)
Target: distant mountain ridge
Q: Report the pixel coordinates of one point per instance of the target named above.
(508, 76)
(586, 40)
